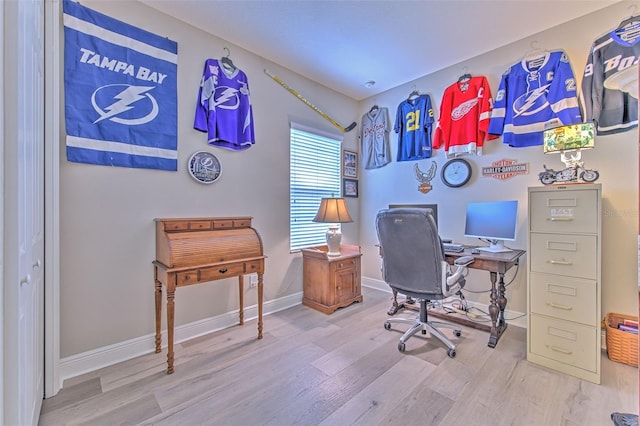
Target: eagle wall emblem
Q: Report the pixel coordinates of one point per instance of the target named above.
(425, 177)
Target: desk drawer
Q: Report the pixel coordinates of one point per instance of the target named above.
(564, 341)
(218, 272)
(570, 299)
(570, 255)
(564, 211)
(253, 267)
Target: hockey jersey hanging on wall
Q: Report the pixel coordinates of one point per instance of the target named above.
(465, 111)
(610, 85)
(414, 120)
(535, 94)
(224, 108)
(374, 138)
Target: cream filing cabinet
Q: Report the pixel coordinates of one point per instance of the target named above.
(564, 279)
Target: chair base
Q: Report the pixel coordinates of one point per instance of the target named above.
(425, 327)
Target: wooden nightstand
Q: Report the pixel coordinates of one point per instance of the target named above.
(331, 282)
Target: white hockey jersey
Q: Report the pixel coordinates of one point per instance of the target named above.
(609, 94)
(535, 94)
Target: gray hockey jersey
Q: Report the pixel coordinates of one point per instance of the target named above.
(610, 85)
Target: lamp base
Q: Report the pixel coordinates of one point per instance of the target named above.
(334, 236)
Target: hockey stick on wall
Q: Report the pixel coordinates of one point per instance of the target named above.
(309, 104)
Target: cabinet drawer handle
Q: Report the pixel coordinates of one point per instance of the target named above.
(566, 308)
(559, 262)
(223, 270)
(560, 219)
(564, 351)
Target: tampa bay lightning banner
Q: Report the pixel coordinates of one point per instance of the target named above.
(120, 92)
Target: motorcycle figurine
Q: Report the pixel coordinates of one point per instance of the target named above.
(568, 174)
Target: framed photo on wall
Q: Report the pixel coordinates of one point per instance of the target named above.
(349, 187)
(349, 164)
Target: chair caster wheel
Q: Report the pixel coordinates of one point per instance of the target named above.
(451, 353)
(387, 325)
(401, 347)
(457, 333)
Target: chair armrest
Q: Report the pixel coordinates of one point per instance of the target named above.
(453, 283)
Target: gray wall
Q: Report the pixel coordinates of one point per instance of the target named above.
(107, 228)
(107, 234)
(615, 157)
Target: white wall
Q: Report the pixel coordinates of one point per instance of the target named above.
(107, 234)
(107, 229)
(615, 157)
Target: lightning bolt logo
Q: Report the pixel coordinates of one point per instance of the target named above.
(125, 100)
(226, 98)
(536, 98)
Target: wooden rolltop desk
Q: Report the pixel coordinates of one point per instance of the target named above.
(198, 250)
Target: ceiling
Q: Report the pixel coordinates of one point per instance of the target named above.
(344, 44)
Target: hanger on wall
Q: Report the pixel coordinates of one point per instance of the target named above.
(465, 76)
(629, 28)
(414, 94)
(226, 61)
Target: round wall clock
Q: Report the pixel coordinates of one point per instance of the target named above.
(456, 173)
(204, 167)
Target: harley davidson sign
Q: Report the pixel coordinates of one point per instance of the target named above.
(505, 169)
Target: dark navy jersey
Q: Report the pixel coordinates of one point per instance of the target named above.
(224, 109)
(414, 120)
(535, 94)
(610, 85)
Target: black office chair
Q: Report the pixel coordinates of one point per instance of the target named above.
(413, 263)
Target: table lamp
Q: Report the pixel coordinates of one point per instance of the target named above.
(333, 211)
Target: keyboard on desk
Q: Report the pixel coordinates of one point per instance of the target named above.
(453, 247)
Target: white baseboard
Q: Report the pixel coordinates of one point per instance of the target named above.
(95, 359)
(520, 318)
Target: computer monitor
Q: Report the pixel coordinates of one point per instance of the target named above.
(433, 207)
(495, 221)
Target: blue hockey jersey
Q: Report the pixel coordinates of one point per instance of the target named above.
(535, 94)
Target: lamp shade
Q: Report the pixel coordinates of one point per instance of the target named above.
(333, 210)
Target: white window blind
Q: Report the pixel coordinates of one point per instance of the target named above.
(314, 174)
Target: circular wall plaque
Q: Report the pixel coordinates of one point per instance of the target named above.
(204, 167)
(456, 172)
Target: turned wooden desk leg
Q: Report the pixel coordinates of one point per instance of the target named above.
(395, 307)
(493, 311)
(502, 303)
(260, 294)
(170, 323)
(158, 294)
(241, 298)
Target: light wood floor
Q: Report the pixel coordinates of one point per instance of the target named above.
(341, 369)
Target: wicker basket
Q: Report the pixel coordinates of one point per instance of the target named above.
(622, 346)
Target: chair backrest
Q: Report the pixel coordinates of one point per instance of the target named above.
(412, 253)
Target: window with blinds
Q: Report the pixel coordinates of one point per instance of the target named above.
(314, 174)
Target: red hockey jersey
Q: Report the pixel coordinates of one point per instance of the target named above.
(464, 117)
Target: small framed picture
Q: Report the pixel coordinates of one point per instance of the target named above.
(349, 188)
(349, 164)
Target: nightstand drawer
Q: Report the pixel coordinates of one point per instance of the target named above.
(570, 299)
(341, 265)
(565, 341)
(564, 211)
(570, 255)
